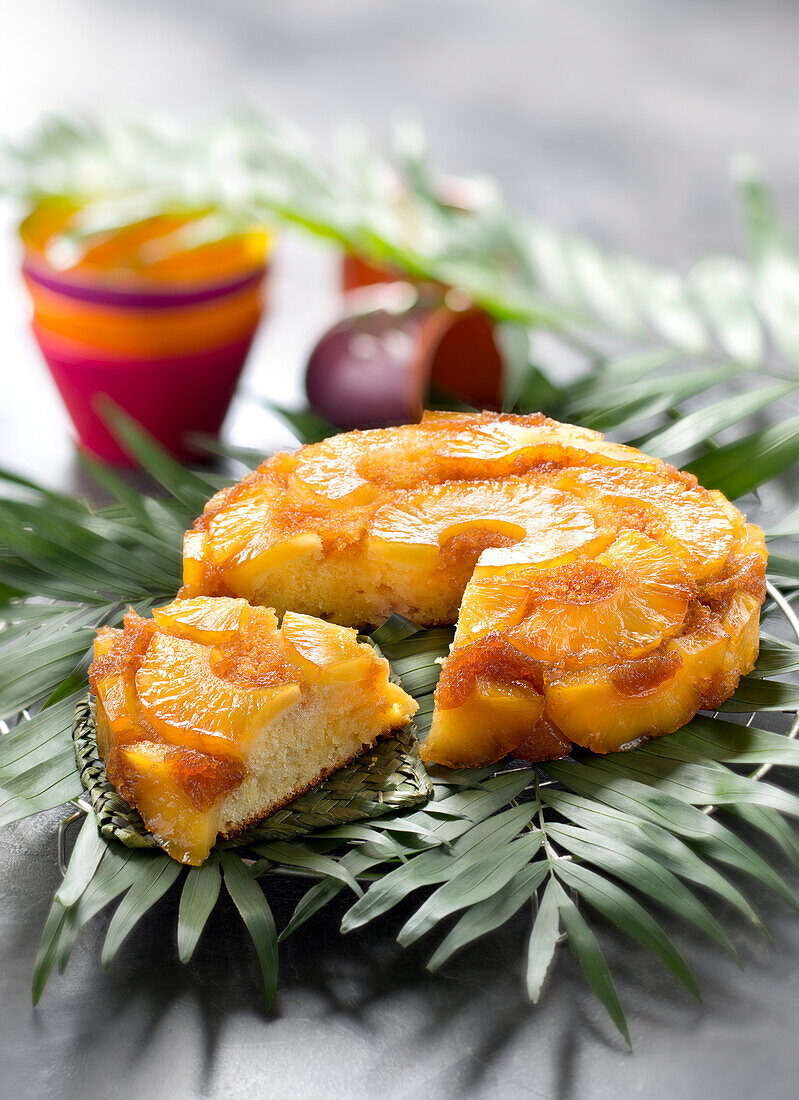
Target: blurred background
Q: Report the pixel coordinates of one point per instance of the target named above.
(618, 119)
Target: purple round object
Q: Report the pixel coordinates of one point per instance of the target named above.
(363, 371)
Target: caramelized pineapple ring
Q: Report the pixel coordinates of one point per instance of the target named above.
(351, 469)
(607, 709)
(488, 724)
(507, 444)
(210, 717)
(201, 621)
(324, 656)
(176, 790)
(618, 606)
(238, 541)
(240, 530)
(188, 704)
(487, 699)
(699, 526)
(436, 523)
(497, 597)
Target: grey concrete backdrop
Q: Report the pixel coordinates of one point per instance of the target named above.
(612, 116)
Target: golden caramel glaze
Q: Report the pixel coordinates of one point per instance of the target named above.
(210, 716)
(601, 596)
(118, 651)
(203, 778)
(542, 742)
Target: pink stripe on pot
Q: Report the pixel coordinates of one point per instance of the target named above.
(170, 397)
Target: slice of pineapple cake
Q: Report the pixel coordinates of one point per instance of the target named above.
(210, 717)
(601, 650)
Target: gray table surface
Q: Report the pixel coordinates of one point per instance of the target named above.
(617, 118)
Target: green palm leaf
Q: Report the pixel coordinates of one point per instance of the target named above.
(147, 889)
(255, 912)
(86, 855)
(200, 892)
(706, 833)
(475, 882)
(617, 906)
(584, 945)
(647, 876)
(651, 840)
(493, 911)
(702, 424)
(744, 465)
(543, 940)
(439, 865)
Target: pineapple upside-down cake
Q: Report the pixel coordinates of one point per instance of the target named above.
(601, 596)
(209, 716)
